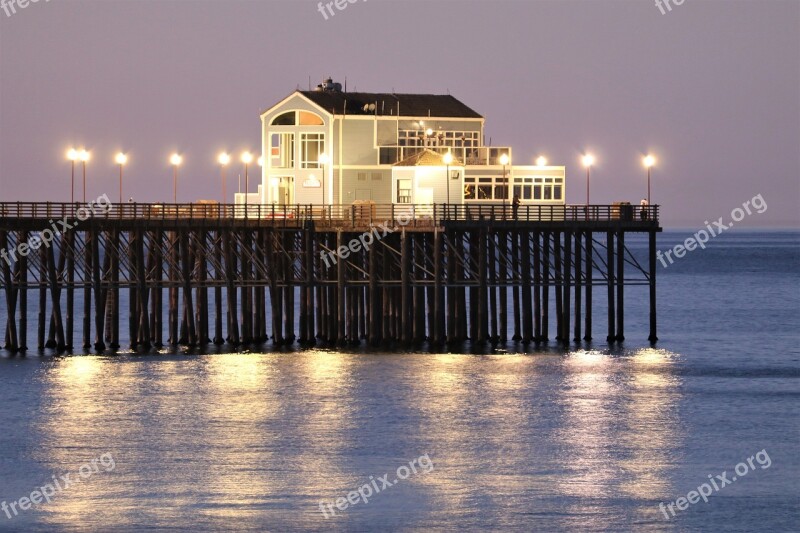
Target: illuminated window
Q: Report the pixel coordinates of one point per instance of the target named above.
(311, 145)
(310, 119)
(282, 150)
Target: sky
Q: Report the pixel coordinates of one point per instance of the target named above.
(711, 88)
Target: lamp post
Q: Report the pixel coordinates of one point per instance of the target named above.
(588, 161)
(323, 160)
(223, 160)
(247, 158)
(448, 160)
(72, 155)
(175, 160)
(649, 161)
(504, 159)
(84, 157)
(120, 159)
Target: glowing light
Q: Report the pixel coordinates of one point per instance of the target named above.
(72, 154)
(504, 159)
(261, 161)
(175, 159)
(83, 155)
(324, 158)
(429, 132)
(541, 161)
(121, 158)
(588, 160)
(649, 161)
(247, 158)
(448, 158)
(224, 159)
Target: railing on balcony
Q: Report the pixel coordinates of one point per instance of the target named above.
(484, 155)
(356, 215)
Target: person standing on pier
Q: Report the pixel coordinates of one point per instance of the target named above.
(644, 203)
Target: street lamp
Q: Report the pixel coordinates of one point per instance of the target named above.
(504, 159)
(323, 160)
(448, 160)
(223, 160)
(72, 155)
(84, 157)
(247, 158)
(120, 159)
(649, 161)
(175, 160)
(588, 161)
(541, 161)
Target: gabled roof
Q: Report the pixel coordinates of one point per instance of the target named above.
(426, 158)
(387, 104)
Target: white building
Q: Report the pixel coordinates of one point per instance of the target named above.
(334, 147)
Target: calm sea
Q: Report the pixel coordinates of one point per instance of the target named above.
(514, 439)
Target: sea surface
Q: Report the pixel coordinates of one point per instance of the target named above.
(516, 438)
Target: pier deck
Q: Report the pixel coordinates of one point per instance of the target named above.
(332, 274)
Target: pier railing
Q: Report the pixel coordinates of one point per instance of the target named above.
(354, 215)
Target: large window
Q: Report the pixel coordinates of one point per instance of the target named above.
(311, 146)
(484, 188)
(282, 150)
(539, 188)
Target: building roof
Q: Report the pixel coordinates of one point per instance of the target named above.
(387, 104)
(426, 158)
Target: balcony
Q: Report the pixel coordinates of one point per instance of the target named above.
(484, 155)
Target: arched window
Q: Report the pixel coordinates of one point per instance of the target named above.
(284, 119)
(310, 119)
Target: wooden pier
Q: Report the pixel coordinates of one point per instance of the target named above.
(246, 275)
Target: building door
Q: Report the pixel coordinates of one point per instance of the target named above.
(285, 191)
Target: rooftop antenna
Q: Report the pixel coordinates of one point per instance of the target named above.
(345, 84)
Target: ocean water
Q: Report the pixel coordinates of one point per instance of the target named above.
(516, 438)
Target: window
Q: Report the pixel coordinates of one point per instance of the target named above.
(377, 176)
(310, 119)
(282, 150)
(311, 145)
(362, 176)
(284, 119)
(485, 188)
(404, 191)
(539, 188)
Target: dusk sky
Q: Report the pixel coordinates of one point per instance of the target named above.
(712, 88)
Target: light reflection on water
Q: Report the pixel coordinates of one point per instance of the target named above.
(258, 440)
